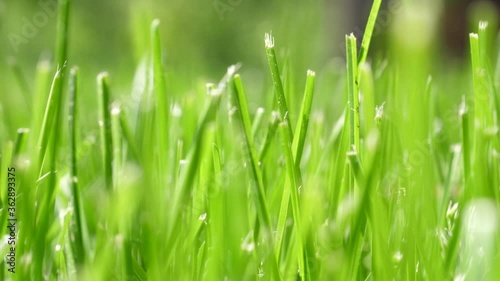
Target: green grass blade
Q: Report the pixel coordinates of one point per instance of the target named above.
(303, 122)
(271, 132)
(105, 128)
(256, 173)
(188, 173)
(49, 118)
(367, 37)
(117, 144)
(78, 232)
(162, 107)
(62, 32)
(255, 168)
(367, 90)
(277, 84)
(129, 136)
(297, 149)
(20, 141)
(352, 87)
(293, 190)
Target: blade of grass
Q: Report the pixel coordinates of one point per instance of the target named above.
(78, 232)
(20, 141)
(188, 173)
(117, 145)
(159, 88)
(129, 136)
(367, 89)
(352, 88)
(277, 84)
(105, 128)
(367, 37)
(297, 149)
(255, 168)
(303, 121)
(293, 190)
(49, 118)
(271, 132)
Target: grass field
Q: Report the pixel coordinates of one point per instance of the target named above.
(385, 166)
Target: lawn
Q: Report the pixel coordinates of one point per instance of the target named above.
(382, 163)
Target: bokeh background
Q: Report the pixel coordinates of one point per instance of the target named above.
(201, 38)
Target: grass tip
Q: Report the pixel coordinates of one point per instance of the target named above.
(456, 148)
(23, 130)
(231, 70)
(115, 109)
(44, 65)
(74, 70)
(473, 35)
(155, 24)
(260, 110)
(275, 116)
(269, 40)
(352, 152)
(103, 76)
(60, 68)
(379, 111)
(463, 107)
(483, 25)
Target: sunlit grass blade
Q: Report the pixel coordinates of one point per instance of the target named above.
(277, 84)
(188, 173)
(293, 190)
(367, 90)
(297, 147)
(303, 121)
(367, 36)
(271, 132)
(216, 221)
(117, 142)
(247, 129)
(129, 136)
(352, 88)
(49, 118)
(257, 122)
(78, 232)
(256, 173)
(365, 181)
(20, 142)
(105, 128)
(63, 17)
(159, 88)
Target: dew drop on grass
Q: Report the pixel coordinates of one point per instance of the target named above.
(58, 248)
